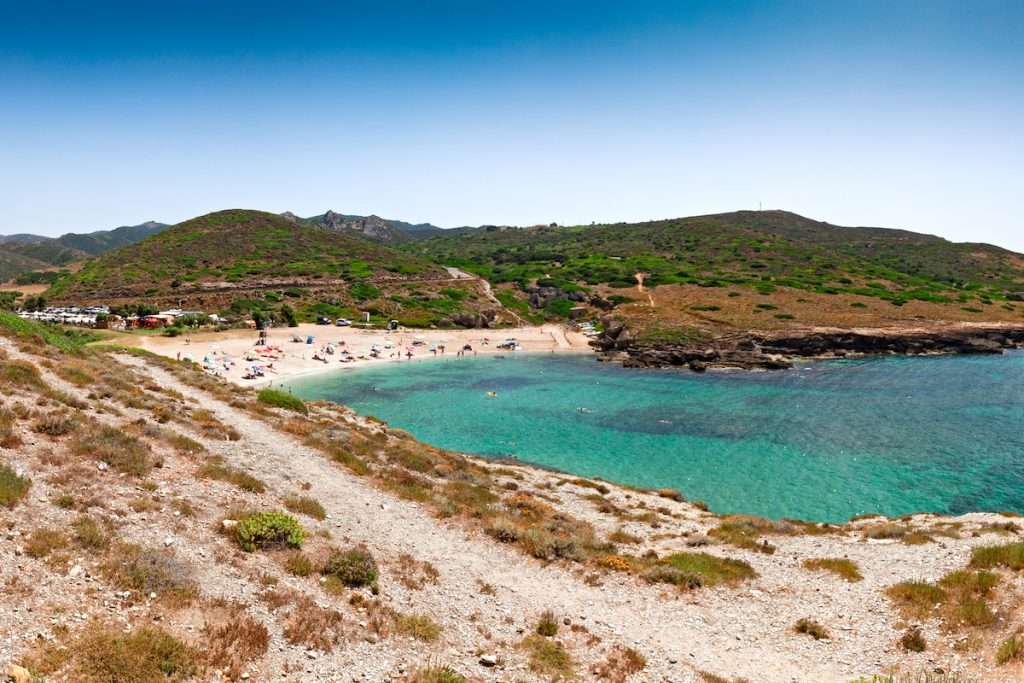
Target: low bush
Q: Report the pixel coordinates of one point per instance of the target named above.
(268, 530)
(1010, 650)
(123, 452)
(548, 657)
(41, 542)
(89, 534)
(620, 664)
(282, 399)
(354, 567)
(436, 674)
(694, 570)
(811, 628)
(418, 626)
(298, 563)
(547, 625)
(913, 640)
(13, 487)
(145, 655)
(312, 626)
(55, 424)
(305, 505)
(216, 469)
(916, 599)
(1010, 556)
(233, 642)
(145, 570)
(841, 567)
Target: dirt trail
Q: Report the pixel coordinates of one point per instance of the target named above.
(487, 290)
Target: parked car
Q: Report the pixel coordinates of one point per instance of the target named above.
(342, 322)
(323, 320)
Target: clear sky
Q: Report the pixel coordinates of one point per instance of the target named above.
(899, 114)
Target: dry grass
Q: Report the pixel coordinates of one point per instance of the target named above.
(41, 542)
(841, 567)
(810, 627)
(216, 469)
(961, 597)
(620, 663)
(145, 655)
(913, 640)
(1009, 556)
(146, 571)
(548, 658)
(232, 639)
(314, 627)
(55, 424)
(1010, 650)
(298, 563)
(547, 625)
(414, 574)
(435, 674)
(125, 453)
(89, 534)
(305, 505)
(418, 626)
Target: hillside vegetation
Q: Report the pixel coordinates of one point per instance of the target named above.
(760, 256)
(241, 261)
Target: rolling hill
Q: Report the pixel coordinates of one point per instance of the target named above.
(374, 227)
(709, 274)
(241, 261)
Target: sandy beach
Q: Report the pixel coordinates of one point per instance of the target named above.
(288, 359)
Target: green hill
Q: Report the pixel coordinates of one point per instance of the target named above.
(240, 260)
(759, 250)
(102, 241)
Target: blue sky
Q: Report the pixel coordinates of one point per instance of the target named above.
(906, 114)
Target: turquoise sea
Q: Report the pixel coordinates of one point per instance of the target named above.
(822, 442)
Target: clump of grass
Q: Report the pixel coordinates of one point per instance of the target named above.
(298, 563)
(547, 625)
(145, 570)
(621, 663)
(233, 642)
(216, 469)
(916, 599)
(146, 655)
(268, 530)
(41, 542)
(281, 399)
(88, 534)
(354, 567)
(695, 570)
(913, 640)
(1009, 555)
(13, 487)
(313, 626)
(436, 674)
(123, 452)
(305, 505)
(745, 532)
(418, 626)
(842, 567)
(623, 536)
(548, 657)
(55, 424)
(810, 627)
(414, 574)
(1010, 650)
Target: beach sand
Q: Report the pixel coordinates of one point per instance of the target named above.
(296, 358)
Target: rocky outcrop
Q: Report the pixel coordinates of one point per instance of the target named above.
(478, 319)
(775, 351)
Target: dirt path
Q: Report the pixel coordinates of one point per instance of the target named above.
(488, 292)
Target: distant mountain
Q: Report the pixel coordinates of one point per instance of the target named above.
(102, 241)
(374, 227)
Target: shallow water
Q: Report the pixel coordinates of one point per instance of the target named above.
(823, 442)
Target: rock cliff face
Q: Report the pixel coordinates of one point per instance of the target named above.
(776, 351)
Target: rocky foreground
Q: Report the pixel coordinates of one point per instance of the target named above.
(778, 350)
(159, 525)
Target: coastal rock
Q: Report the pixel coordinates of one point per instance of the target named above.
(764, 351)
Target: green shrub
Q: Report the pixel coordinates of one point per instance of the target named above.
(694, 570)
(282, 399)
(1011, 649)
(353, 567)
(263, 530)
(841, 567)
(12, 486)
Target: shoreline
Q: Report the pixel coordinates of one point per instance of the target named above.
(294, 360)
